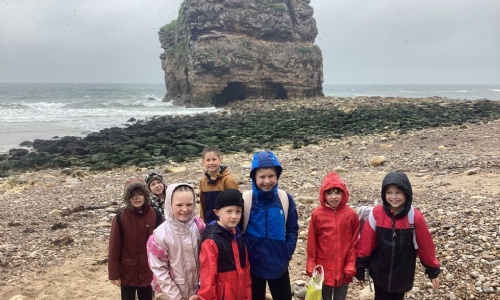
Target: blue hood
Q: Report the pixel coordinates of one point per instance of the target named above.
(265, 159)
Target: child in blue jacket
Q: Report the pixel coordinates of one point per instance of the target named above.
(270, 236)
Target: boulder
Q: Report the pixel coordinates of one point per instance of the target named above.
(218, 52)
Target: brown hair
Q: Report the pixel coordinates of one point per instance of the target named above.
(213, 149)
(184, 188)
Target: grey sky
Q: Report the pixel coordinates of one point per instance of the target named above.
(363, 41)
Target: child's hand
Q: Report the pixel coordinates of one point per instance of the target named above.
(361, 283)
(435, 283)
(116, 282)
(194, 297)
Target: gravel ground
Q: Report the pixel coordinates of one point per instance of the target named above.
(55, 224)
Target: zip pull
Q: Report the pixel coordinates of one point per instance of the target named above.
(393, 224)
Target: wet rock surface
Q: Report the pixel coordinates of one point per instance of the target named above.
(244, 126)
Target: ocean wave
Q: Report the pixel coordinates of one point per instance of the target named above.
(494, 90)
(462, 91)
(13, 106)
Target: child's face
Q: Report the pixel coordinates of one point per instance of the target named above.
(266, 178)
(229, 216)
(395, 197)
(137, 199)
(182, 205)
(156, 187)
(333, 197)
(211, 161)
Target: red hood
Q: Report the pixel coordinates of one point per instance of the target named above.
(333, 180)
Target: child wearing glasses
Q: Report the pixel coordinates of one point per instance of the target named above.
(130, 229)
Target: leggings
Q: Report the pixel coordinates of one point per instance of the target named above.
(380, 294)
(143, 292)
(338, 293)
(280, 288)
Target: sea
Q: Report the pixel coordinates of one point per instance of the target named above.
(30, 111)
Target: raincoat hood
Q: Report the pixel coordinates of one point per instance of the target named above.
(333, 180)
(131, 185)
(265, 159)
(169, 215)
(400, 180)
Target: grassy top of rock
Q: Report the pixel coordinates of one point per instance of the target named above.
(243, 127)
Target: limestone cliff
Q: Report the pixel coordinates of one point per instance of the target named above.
(219, 51)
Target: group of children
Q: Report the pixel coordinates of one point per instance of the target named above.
(230, 253)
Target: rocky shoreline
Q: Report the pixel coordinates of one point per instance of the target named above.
(55, 223)
(244, 126)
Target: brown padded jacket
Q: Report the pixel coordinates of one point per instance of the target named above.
(210, 187)
(127, 256)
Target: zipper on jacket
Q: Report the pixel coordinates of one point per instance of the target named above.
(393, 224)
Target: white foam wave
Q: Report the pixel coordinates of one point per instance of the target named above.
(45, 105)
(494, 90)
(462, 91)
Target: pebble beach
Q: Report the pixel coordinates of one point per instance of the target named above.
(55, 223)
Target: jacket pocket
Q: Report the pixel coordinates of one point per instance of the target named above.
(129, 269)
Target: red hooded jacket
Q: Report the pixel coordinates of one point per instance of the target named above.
(333, 236)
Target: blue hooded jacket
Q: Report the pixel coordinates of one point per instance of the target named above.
(270, 242)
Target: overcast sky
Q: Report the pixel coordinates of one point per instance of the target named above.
(363, 41)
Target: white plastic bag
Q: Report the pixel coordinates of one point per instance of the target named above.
(315, 284)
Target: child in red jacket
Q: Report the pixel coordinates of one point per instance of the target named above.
(225, 271)
(332, 238)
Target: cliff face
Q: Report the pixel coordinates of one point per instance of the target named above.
(219, 51)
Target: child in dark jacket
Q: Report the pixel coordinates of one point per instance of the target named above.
(225, 270)
(215, 180)
(270, 236)
(127, 258)
(155, 181)
(388, 246)
(333, 238)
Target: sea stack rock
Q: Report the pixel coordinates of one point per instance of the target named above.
(219, 51)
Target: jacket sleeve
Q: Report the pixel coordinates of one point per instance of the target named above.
(366, 244)
(230, 183)
(160, 266)
(350, 265)
(311, 246)
(292, 228)
(208, 270)
(114, 252)
(426, 250)
(202, 199)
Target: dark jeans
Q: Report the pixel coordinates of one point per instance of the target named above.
(380, 294)
(280, 288)
(143, 292)
(338, 293)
